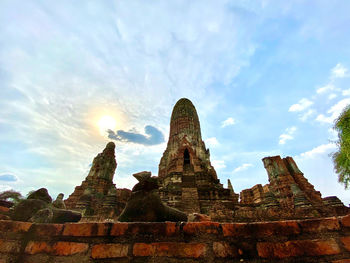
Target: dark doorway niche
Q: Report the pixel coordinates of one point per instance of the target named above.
(186, 157)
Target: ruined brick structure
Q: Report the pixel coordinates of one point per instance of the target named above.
(188, 180)
(288, 195)
(97, 197)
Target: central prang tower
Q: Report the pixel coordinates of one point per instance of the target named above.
(188, 180)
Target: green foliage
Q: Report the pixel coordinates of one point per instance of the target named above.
(29, 193)
(341, 158)
(11, 195)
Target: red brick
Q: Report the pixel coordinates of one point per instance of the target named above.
(47, 229)
(170, 249)
(69, 248)
(85, 229)
(119, 229)
(298, 248)
(35, 247)
(171, 229)
(342, 261)
(264, 229)
(143, 250)
(319, 225)
(9, 246)
(4, 209)
(345, 220)
(4, 217)
(156, 229)
(201, 227)
(14, 226)
(58, 249)
(109, 250)
(223, 250)
(346, 242)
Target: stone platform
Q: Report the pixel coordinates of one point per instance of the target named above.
(312, 240)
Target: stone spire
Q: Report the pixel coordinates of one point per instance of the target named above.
(104, 164)
(188, 181)
(99, 179)
(185, 144)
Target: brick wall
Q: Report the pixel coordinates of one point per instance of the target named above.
(316, 240)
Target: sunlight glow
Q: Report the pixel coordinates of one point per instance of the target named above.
(106, 123)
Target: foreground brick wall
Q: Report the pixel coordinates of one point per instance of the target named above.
(317, 240)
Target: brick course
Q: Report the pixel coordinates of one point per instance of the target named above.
(321, 240)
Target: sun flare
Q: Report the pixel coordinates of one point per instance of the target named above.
(106, 123)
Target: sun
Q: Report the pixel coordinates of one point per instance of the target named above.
(106, 123)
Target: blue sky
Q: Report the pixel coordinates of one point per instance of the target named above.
(267, 78)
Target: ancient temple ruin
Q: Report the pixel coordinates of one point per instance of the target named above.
(97, 197)
(188, 182)
(187, 178)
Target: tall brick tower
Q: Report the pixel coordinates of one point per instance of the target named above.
(188, 180)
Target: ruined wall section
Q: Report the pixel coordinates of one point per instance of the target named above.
(316, 240)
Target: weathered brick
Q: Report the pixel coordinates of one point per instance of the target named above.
(9, 246)
(170, 249)
(4, 217)
(69, 248)
(119, 229)
(58, 249)
(346, 242)
(319, 225)
(86, 229)
(342, 261)
(109, 251)
(47, 229)
(345, 221)
(264, 229)
(14, 226)
(157, 229)
(298, 248)
(201, 227)
(4, 209)
(171, 228)
(224, 249)
(35, 247)
(143, 250)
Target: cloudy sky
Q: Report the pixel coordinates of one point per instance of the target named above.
(267, 78)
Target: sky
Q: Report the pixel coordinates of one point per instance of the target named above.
(266, 77)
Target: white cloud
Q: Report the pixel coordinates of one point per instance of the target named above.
(323, 118)
(321, 149)
(288, 135)
(218, 164)
(242, 167)
(306, 115)
(324, 89)
(301, 105)
(211, 142)
(318, 168)
(334, 111)
(339, 71)
(332, 96)
(346, 92)
(229, 121)
(333, 134)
